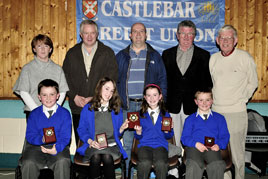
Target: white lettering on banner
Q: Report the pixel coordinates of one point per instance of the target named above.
(157, 9)
(170, 32)
(208, 33)
(119, 33)
(166, 34)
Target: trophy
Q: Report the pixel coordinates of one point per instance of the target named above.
(209, 141)
(166, 124)
(49, 135)
(133, 118)
(102, 140)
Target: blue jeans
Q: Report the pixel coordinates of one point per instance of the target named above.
(129, 135)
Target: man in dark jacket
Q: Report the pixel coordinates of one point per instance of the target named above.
(138, 65)
(84, 65)
(187, 69)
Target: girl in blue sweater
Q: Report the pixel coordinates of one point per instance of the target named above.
(153, 146)
(102, 115)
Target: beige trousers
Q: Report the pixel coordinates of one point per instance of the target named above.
(237, 125)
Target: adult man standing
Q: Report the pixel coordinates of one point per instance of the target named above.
(187, 69)
(234, 77)
(138, 65)
(84, 65)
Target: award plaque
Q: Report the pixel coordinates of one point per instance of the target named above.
(133, 118)
(166, 124)
(49, 135)
(209, 141)
(102, 140)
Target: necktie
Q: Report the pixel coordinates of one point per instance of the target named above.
(152, 117)
(205, 116)
(102, 108)
(50, 113)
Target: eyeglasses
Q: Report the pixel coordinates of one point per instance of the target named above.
(226, 38)
(183, 34)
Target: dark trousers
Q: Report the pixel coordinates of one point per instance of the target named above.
(195, 164)
(33, 160)
(76, 119)
(148, 156)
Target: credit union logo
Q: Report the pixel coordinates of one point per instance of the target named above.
(209, 11)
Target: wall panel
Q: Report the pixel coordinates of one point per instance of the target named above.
(21, 20)
(249, 17)
(2, 55)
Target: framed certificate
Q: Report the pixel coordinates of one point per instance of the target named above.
(102, 140)
(209, 141)
(49, 135)
(166, 124)
(133, 118)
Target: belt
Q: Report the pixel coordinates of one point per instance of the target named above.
(136, 99)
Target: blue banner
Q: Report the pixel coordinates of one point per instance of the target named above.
(161, 17)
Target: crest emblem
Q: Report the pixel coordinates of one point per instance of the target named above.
(90, 8)
(166, 123)
(49, 132)
(133, 117)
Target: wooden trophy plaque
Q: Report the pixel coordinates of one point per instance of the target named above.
(133, 118)
(102, 140)
(49, 135)
(209, 141)
(166, 124)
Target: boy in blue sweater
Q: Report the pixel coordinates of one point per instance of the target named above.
(204, 134)
(37, 153)
(153, 146)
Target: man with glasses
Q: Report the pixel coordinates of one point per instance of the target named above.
(187, 68)
(234, 77)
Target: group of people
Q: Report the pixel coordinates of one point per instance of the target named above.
(103, 87)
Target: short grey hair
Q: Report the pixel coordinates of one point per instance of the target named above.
(186, 23)
(228, 27)
(88, 22)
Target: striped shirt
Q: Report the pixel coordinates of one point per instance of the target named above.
(136, 74)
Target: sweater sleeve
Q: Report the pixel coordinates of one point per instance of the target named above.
(64, 135)
(252, 77)
(186, 137)
(67, 71)
(33, 135)
(162, 77)
(84, 129)
(61, 98)
(169, 134)
(28, 100)
(224, 136)
(119, 123)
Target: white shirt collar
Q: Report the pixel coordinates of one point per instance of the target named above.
(201, 114)
(105, 107)
(54, 108)
(156, 113)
